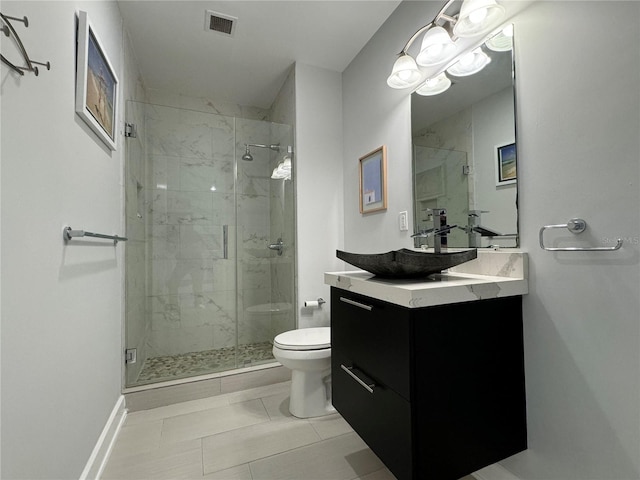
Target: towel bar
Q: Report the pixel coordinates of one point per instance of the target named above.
(575, 225)
(68, 233)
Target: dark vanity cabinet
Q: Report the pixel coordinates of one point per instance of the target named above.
(436, 392)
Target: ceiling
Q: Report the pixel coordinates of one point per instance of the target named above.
(176, 54)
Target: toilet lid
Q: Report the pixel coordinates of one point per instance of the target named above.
(304, 339)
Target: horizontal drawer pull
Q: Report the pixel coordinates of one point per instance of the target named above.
(356, 304)
(367, 386)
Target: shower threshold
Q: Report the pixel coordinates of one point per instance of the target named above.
(172, 367)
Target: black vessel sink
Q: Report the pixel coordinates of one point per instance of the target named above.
(406, 263)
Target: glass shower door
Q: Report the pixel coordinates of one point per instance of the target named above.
(189, 324)
(204, 292)
(136, 322)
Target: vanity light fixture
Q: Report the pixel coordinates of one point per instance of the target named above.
(469, 64)
(476, 17)
(503, 41)
(405, 73)
(435, 86)
(437, 47)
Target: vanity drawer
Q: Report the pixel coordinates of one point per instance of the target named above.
(373, 336)
(382, 418)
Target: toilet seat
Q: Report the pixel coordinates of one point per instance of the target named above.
(304, 339)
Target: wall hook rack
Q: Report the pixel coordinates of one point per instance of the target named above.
(575, 225)
(9, 31)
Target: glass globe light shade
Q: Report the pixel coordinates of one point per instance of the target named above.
(502, 41)
(435, 85)
(469, 64)
(437, 47)
(477, 16)
(405, 73)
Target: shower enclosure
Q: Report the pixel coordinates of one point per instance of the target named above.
(440, 181)
(210, 257)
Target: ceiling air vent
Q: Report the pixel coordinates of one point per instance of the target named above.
(219, 22)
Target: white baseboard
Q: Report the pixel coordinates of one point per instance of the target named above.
(494, 472)
(98, 459)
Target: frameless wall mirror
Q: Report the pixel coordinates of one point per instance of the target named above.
(464, 155)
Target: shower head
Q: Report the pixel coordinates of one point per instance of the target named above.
(247, 157)
(247, 154)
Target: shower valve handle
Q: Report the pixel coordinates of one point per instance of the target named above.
(278, 246)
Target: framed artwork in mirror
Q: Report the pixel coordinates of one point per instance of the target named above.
(373, 181)
(506, 173)
(96, 84)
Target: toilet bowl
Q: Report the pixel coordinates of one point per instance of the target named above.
(307, 353)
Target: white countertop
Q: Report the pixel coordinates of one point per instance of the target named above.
(506, 276)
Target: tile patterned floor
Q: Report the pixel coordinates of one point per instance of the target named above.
(172, 367)
(247, 435)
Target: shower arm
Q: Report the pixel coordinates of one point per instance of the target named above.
(275, 147)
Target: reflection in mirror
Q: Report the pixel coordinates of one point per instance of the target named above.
(459, 162)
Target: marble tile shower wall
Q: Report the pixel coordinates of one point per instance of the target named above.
(440, 182)
(452, 133)
(283, 226)
(262, 219)
(193, 301)
(254, 231)
(282, 112)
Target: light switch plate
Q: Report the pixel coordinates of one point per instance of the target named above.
(403, 221)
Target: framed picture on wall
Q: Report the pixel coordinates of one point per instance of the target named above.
(96, 84)
(506, 164)
(373, 181)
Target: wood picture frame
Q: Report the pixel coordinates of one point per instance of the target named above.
(373, 181)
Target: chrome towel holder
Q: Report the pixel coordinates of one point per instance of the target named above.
(575, 225)
(9, 31)
(68, 233)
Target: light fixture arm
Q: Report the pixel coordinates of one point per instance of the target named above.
(433, 23)
(447, 18)
(413, 38)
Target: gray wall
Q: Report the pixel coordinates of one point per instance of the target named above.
(318, 171)
(62, 305)
(581, 157)
(578, 128)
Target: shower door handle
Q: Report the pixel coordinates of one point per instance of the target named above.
(225, 242)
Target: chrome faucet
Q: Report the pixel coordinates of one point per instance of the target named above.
(473, 222)
(439, 231)
(476, 230)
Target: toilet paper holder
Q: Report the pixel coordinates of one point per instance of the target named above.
(314, 303)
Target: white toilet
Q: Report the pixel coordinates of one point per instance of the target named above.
(307, 352)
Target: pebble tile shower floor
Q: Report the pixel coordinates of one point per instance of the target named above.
(170, 367)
